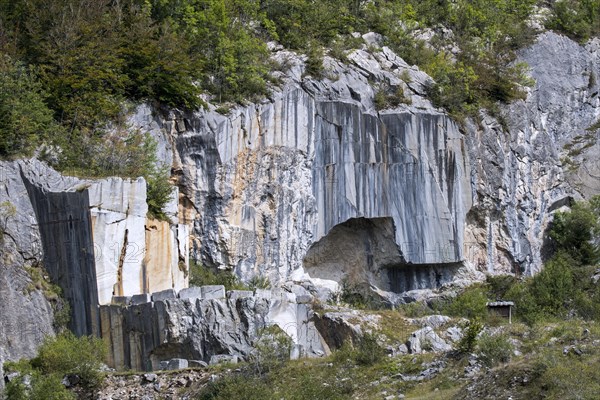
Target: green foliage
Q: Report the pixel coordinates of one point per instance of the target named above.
(271, 350)
(26, 121)
(416, 309)
(43, 387)
(203, 276)
(390, 97)
(368, 350)
(159, 61)
(564, 285)
(57, 357)
(499, 285)
(237, 387)
(526, 306)
(67, 354)
(7, 211)
(469, 340)
(365, 352)
(314, 61)
(494, 349)
(127, 154)
(580, 19)
(576, 231)
(298, 22)
(223, 36)
(487, 32)
(553, 287)
(90, 56)
(159, 191)
(62, 315)
(469, 304)
(259, 282)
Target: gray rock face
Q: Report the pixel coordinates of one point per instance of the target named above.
(341, 327)
(146, 336)
(26, 315)
(64, 224)
(270, 186)
(312, 186)
(426, 339)
(547, 157)
(265, 183)
(433, 321)
(186, 329)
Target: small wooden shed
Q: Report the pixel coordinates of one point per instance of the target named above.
(502, 308)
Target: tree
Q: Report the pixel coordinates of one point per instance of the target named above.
(553, 287)
(26, 120)
(576, 232)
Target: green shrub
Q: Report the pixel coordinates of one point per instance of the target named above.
(580, 19)
(494, 349)
(272, 350)
(314, 62)
(368, 350)
(389, 97)
(49, 387)
(7, 211)
(203, 276)
(67, 354)
(471, 303)
(499, 285)
(58, 356)
(159, 191)
(553, 287)
(416, 309)
(468, 342)
(587, 304)
(40, 387)
(259, 282)
(526, 307)
(237, 387)
(575, 231)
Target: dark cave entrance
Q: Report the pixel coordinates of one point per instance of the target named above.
(363, 251)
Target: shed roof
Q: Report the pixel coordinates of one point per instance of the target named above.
(500, 303)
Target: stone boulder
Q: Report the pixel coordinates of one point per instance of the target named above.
(426, 340)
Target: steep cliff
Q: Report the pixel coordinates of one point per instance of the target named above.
(313, 184)
(268, 181)
(93, 240)
(266, 184)
(27, 314)
(544, 156)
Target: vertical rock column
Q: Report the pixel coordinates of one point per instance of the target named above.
(66, 234)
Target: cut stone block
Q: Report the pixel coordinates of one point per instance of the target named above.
(191, 293)
(140, 299)
(213, 292)
(263, 293)
(121, 300)
(177, 363)
(168, 294)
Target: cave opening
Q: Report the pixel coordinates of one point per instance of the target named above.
(363, 251)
